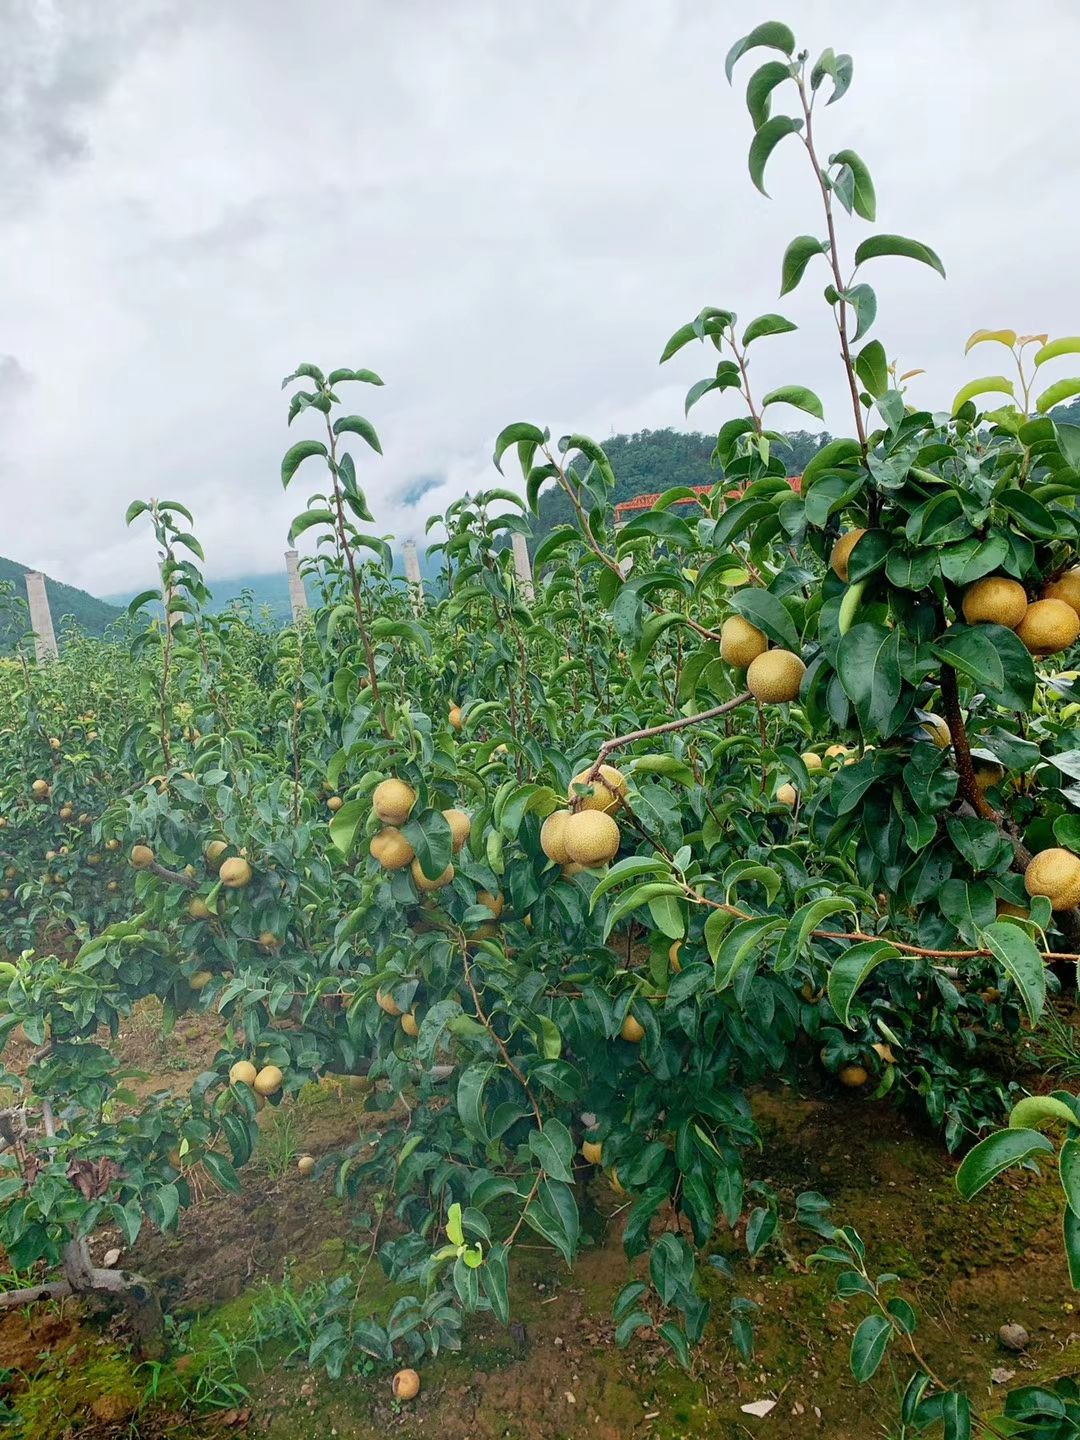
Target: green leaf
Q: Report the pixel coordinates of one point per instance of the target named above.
(839, 67)
(671, 1266)
(864, 200)
(852, 969)
(221, 1170)
(431, 837)
(996, 1153)
(868, 1346)
(710, 321)
(806, 919)
(771, 33)
(760, 1229)
(760, 86)
(143, 599)
(1059, 391)
(835, 453)
(956, 1416)
(1067, 345)
(308, 519)
(1018, 688)
(470, 1101)
(763, 609)
(864, 302)
(969, 649)
(629, 1325)
(297, 454)
(629, 869)
(1071, 1238)
(796, 258)
(553, 1149)
(365, 377)
(1015, 952)
(162, 1206)
(344, 825)
(662, 525)
(634, 898)
(554, 1215)
(385, 629)
(666, 913)
(454, 1231)
(765, 142)
(767, 325)
(1031, 516)
(996, 384)
(1069, 1170)
(495, 1281)
(1034, 1111)
(522, 434)
(742, 943)
(798, 396)
(868, 665)
(872, 368)
(357, 425)
(877, 245)
(669, 766)
(676, 1338)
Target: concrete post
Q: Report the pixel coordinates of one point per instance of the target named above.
(523, 566)
(40, 616)
(297, 593)
(413, 577)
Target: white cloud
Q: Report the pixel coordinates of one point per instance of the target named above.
(503, 209)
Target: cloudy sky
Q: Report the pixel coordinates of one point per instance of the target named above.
(505, 209)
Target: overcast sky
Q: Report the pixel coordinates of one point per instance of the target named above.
(505, 209)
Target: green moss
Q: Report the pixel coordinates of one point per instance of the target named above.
(69, 1383)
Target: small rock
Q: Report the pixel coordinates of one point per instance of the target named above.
(1013, 1337)
(1000, 1376)
(112, 1409)
(110, 1258)
(758, 1407)
(570, 1400)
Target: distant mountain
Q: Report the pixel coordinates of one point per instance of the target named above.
(65, 603)
(268, 592)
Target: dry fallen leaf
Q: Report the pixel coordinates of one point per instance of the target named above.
(758, 1407)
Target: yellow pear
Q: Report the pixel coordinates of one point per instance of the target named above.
(995, 600)
(1055, 873)
(775, 677)
(604, 793)
(393, 800)
(841, 553)
(591, 837)
(741, 642)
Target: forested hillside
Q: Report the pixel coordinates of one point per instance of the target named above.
(93, 616)
(652, 461)
(655, 460)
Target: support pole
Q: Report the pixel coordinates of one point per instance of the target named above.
(523, 566)
(40, 616)
(297, 593)
(412, 574)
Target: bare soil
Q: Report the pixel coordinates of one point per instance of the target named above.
(556, 1374)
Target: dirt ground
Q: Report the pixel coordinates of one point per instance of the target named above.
(556, 1374)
